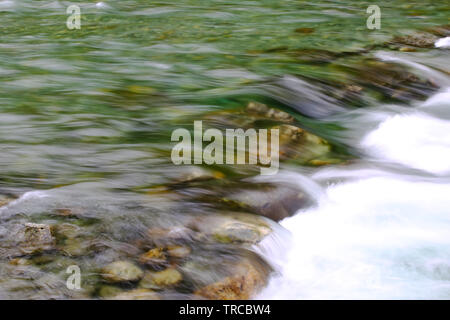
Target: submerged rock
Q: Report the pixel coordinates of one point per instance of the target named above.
(5, 200)
(168, 236)
(271, 201)
(20, 262)
(122, 271)
(391, 80)
(297, 143)
(108, 291)
(195, 173)
(240, 232)
(72, 240)
(178, 252)
(137, 294)
(304, 30)
(76, 247)
(420, 40)
(233, 228)
(67, 231)
(154, 257)
(440, 31)
(263, 110)
(35, 237)
(161, 279)
(246, 280)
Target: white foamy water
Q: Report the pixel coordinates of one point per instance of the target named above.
(376, 234)
(377, 238)
(443, 43)
(415, 140)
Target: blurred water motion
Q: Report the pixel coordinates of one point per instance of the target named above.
(86, 177)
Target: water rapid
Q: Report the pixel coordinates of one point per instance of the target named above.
(380, 228)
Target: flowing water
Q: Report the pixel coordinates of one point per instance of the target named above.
(381, 232)
(86, 118)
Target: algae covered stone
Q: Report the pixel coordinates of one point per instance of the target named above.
(161, 279)
(122, 271)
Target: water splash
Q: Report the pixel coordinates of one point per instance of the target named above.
(376, 234)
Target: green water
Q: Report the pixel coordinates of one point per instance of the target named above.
(88, 113)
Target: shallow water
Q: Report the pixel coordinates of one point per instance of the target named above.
(86, 117)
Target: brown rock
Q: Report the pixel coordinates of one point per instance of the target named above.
(35, 237)
(420, 40)
(304, 30)
(261, 109)
(245, 282)
(153, 257)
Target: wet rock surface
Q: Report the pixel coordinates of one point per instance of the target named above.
(262, 110)
(154, 257)
(122, 271)
(136, 294)
(161, 279)
(420, 40)
(246, 280)
(5, 200)
(34, 238)
(273, 202)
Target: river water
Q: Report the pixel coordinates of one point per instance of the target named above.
(381, 232)
(86, 117)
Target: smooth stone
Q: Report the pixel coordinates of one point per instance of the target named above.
(161, 279)
(137, 294)
(122, 271)
(246, 280)
(178, 251)
(155, 256)
(35, 237)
